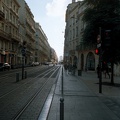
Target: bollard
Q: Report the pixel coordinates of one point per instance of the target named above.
(62, 82)
(25, 74)
(79, 72)
(61, 108)
(17, 77)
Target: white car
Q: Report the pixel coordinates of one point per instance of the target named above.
(35, 63)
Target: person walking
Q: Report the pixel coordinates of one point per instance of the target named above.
(69, 68)
(74, 69)
(107, 71)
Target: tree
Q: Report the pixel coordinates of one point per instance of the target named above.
(104, 14)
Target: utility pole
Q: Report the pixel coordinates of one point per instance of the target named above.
(23, 57)
(99, 50)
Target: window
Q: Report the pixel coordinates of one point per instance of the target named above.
(9, 45)
(2, 9)
(12, 46)
(2, 44)
(11, 4)
(13, 31)
(2, 27)
(14, 8)
(76, 31)
(6, 15)
(6, 28)
(14, 19)
(6, 45)
(10, 17)
(10, 29)
(73, 33)
(16, 32)
(17, 10)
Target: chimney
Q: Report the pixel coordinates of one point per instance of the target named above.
(73, 1)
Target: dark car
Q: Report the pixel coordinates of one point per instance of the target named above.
(4, 66)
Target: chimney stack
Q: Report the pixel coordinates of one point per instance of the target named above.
(73, 1)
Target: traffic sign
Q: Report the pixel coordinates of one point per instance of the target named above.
(99, 45)
(98, 39)
(23, 51)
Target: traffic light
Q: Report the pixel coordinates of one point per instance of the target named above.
(107, 40)
(97, 51)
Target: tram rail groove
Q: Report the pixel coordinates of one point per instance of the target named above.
(30, 79)
(20, 112)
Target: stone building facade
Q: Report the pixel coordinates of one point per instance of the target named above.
(18, 31)
(9, 34)
(75, 52)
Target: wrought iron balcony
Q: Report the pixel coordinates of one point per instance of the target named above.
(82, 47)
(4, 35)
(15, 37)
(72, 52)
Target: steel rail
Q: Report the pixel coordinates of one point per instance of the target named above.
(17, 116)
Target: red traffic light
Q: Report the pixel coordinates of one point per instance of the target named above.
(96, 51)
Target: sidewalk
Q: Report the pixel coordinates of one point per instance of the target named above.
(82, 100)
(91, 80)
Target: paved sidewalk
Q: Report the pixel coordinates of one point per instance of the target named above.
(82, 100)
(91, 80)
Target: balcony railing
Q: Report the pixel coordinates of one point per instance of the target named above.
(4, 35)
(72, 52)
(15, 37)
(82, 47)
(2, 15)
(30, 35)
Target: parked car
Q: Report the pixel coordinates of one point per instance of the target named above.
(5, 66)
(46, 63)
(35, 63)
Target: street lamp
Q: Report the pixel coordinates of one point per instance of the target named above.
(23, 57)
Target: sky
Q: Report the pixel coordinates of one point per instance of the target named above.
(50, 14)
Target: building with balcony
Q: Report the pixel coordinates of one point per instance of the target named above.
(42, 47)
(18, 31)
(75, 51)
(9, 34)
(71, 33)
(27, 30)
(54, 58)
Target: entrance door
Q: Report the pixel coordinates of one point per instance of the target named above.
(90, 61)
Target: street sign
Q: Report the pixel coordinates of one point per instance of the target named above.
(23, 51)
(98, 39)
(99, 45)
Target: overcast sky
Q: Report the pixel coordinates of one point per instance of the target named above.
(51, 16)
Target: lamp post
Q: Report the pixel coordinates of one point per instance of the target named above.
(23, 57)
(100, 59)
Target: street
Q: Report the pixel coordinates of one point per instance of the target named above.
(38, 96)
(24, 99)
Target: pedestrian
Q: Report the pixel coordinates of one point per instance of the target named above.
(69, 68)
(106, 71)
(74, 68)
(66, 66)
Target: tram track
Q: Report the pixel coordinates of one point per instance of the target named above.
(10, 91)
(43, 80)
(12, 73)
